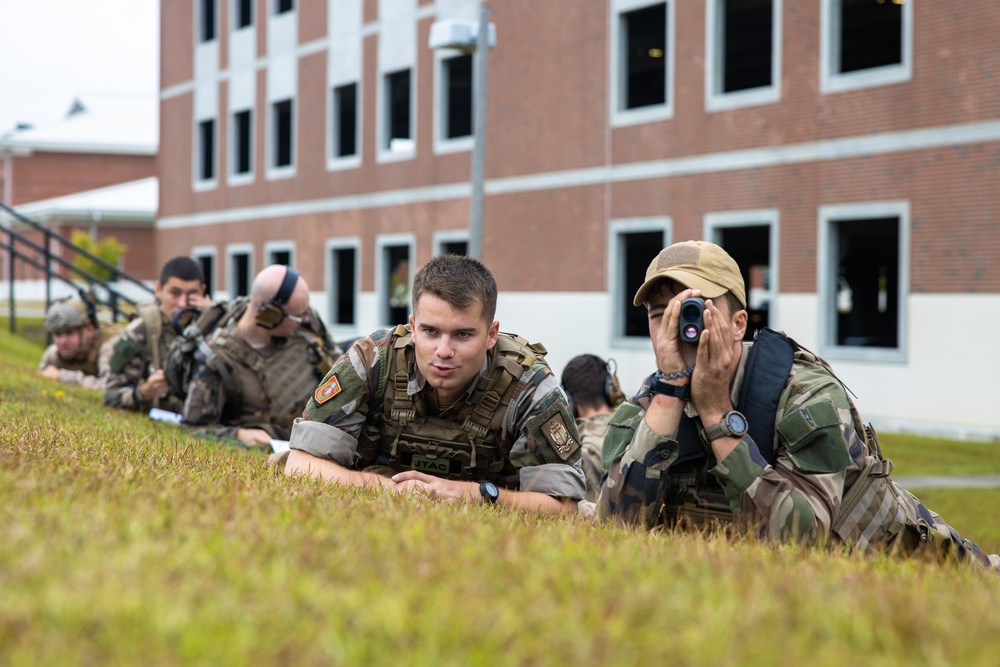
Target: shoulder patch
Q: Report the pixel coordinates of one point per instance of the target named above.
(554, 430)
(327, 390)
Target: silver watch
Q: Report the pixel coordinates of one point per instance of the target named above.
(733, 423)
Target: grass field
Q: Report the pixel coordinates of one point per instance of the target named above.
(127, 543)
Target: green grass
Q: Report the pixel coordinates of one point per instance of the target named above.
(126, 542)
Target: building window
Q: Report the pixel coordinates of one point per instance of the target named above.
(206, 150)
(207, 262)
(345, 120)
(644, 57)
(635, 246)
(282, 256)
(244, 13)
(239, 274)
(457, 106)
(748, 239)
(282, 133)
(242, 135)
(866, 296)
(282, 6)
(206, 22)
(865, 43)
(343, 288)
(396, 264)
(454, 248)
(870, 35)
(397, 112)
(746, 44)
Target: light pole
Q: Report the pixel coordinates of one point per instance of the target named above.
(466, 36)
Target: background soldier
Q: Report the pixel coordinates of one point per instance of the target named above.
(136, 380)
(256, 372)
(593, 392)
(447, 406)
(82, 348)
(759, 434)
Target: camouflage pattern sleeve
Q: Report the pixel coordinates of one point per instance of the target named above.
(338, 409)
(205, 400)
(546, 450)
(128, 369)
(50, 357)
(636, 459)
(592, 431)
(797, 497)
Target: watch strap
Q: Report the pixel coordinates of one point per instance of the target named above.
(682, 391)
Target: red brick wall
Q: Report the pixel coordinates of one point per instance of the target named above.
(45, 175)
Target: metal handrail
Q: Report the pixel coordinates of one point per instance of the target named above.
(114, 296)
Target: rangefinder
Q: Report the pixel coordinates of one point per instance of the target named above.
(692, 322)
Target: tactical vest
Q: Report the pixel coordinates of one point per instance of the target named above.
(287, 378)
(467, 446)
(88, 365)
(153, 319)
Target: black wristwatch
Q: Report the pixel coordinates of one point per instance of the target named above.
(489, 491)
(659, 386)
(733, 423)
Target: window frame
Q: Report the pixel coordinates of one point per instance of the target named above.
(235, 143)
(233, 249)
(275, 170)
(385, 117)
(619, 116)
(336, 244)
(208, 251)
(826, 279)
(832, 81)
(442, 143)
(382, 244)
(616, 287)
(715, 98)
(335, 161)
(200, 182)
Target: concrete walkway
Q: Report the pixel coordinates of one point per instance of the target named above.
(948, 482)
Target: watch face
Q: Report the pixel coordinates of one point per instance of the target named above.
(489, 491)
(736, 422)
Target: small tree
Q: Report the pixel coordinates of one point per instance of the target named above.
(108, 249)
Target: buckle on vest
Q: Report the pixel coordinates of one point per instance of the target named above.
(402, 416)
(474, 429)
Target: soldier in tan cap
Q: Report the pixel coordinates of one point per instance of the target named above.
(82, 347)
(758, 437)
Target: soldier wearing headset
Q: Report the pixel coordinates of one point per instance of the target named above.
(255, 372)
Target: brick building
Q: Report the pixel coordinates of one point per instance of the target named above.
(846, 152)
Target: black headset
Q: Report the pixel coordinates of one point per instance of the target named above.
(271, 314)
(612, 387)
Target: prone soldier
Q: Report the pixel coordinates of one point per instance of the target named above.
(136, 372)
(82, 346)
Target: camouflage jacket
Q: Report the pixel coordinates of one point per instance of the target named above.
(592, 431)
(820, 451)
(262, 377)
(352, 395)
(91, 372)
(131, 364)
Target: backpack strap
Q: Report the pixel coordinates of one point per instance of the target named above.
(234, 394)
(153, 319)
(768, 364)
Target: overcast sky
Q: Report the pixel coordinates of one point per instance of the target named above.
(53, 50)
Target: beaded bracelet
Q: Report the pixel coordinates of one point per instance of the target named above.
(674, 376)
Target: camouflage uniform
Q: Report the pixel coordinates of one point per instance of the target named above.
(133, 360)
(826, 482)
(273, 383)
(92, 371)
(530, 445)
(592, 431)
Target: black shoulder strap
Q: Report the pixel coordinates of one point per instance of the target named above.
(765, 376)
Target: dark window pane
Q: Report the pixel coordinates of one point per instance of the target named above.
(283, 133)
(639, 249)
(747, 44)
(345, 122)
(866, 294)
(644, 37)
(241, 274)
(458, 104)
(281, 257)
(871, 34)
(208, 271)
(207, 24)
(282, 6)
(398, 106)
(244, 13)
(206, 155)
(344, 285)
(241, 142)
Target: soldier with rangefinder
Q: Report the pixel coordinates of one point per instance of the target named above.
(758, 437)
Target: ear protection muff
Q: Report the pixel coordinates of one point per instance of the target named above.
(612, 387)
(272, 313)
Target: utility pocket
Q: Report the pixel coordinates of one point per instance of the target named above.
(870, 514)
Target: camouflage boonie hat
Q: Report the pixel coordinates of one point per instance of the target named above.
(698, 265)
(66, 314)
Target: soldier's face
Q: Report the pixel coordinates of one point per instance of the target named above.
(73, 343)
(450, 344)
(177, 294)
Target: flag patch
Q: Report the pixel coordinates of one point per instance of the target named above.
(327, 390)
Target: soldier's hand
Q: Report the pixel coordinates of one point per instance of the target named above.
(255, 437)
(154, 387)
(50, 372)
(411, 481)
(199, 301)
(710, 384)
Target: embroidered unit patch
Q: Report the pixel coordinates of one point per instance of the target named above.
(327, 390)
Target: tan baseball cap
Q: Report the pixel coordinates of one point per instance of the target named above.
(698, 265)
(66, 314)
